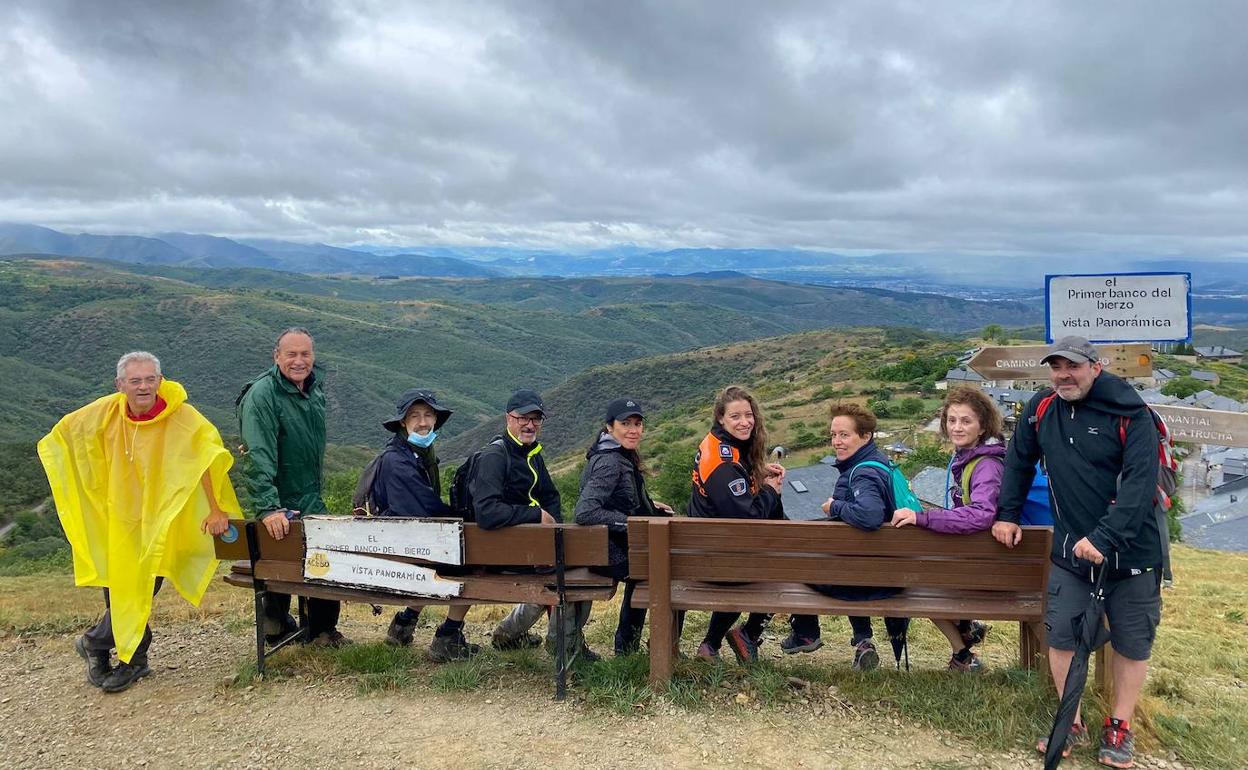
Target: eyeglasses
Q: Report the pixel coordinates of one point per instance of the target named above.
(843, 436)
(525, 420)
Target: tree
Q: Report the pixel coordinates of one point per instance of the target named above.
(1182, 387)
(910, 407)
(994, 332)
(672, 484)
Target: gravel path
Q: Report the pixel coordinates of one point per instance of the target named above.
(185, 716)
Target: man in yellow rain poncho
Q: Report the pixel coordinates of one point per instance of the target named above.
(139, 480)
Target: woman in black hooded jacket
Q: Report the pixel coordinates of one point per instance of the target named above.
(613, 488)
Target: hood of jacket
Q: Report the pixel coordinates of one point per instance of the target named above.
(868, 451)
(605, 443)
(990, 448)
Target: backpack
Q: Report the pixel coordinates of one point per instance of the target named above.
(1167, 474)
(361, 502)
(903, 495)
(461, 490)
(1036, 509)
(966, 477)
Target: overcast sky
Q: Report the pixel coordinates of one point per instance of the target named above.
(1000, 127)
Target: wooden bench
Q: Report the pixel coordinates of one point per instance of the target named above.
(264, 564)
(685, 563)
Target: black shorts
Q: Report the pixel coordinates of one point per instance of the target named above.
(1132, 606)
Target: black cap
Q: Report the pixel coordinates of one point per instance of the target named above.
(1072, 348)
(416, 395)
(622, 408)
(524, 401)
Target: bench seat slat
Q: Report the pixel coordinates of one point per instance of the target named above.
(800, 598)
(840, 539)
(485, 589)
(857, 570)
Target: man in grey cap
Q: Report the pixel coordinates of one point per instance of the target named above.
(1099, 446)
(510, 485)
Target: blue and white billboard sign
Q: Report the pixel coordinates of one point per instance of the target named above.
(1119, 307)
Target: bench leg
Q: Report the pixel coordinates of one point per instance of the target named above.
(1033, 652)
(259, 596)
(561, 612)
(662, 619)
(662, 624)
(1105, 672)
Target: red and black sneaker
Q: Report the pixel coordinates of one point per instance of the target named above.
(1078, 736)
(1117, 744)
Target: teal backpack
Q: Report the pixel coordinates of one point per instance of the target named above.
(903, 495)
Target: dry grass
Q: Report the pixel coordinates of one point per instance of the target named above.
(1195, 702)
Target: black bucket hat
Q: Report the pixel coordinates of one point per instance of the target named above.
(416, 395)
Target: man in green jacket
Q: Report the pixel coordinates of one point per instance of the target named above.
(281, 418)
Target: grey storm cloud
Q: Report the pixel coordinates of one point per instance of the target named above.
(1012, 127)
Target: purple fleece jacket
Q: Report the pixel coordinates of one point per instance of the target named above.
(978, 513)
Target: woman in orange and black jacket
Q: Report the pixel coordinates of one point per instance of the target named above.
(731, 479)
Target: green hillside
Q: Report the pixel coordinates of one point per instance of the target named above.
(64, 322)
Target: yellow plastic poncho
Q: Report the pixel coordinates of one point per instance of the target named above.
(131, 500)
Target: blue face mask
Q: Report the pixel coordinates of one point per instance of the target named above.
(424, 442)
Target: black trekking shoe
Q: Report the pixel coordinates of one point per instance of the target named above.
(126, 674)
(587, 655)
(447, 647)
(275, 631)
(400, 632)
(98, 664)
(526, 641)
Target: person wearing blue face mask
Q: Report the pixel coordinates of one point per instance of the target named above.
(408, 484)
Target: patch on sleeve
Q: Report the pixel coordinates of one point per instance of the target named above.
(737, 487)
(725, 451)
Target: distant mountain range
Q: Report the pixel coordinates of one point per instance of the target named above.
(188, 250)
(968, 276)
(474, 340)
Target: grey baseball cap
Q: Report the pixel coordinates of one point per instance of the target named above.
(1072, 348)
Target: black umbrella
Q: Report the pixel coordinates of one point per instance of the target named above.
(1090, 634)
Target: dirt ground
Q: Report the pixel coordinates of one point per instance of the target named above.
(186, 716)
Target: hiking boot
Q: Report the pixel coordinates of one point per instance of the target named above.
(793, 644)
(973, 632)
(745, 648)
(126, 674)
(965, 662)
(588, 655)
(98, 665)
(400, 632)
(865, 656)
(448, 647)
(1117, 746)
(707, 652)
(1078, 736)
(275, 630)
(525, 641)
(332, 639)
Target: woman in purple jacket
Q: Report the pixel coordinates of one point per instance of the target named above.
(972, 422)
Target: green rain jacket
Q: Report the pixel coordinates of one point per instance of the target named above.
(283, 432)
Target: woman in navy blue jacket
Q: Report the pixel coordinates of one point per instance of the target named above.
(862, 498)
(408, 484)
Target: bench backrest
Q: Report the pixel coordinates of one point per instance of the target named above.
(738, 550)
(523, 545)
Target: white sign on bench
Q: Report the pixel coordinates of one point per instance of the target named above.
(357, 569)
(429, 540)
